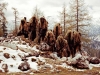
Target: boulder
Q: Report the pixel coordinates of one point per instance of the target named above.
(5, 67)
(94, 60)
(6, 55)
(24, 66)
(43, 47)
(33, 53)
(82, 64)
(79, 62)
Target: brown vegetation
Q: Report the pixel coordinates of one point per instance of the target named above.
(38, 32)
(43, 27)
(62, 47)
(57, 30)
(50, 40)
(74, 41)
(32, 28)
(23, 28)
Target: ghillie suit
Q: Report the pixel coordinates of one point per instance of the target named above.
(62, 47)
(23, 28)
(43, 27)
(50, 40)
(57, 30)
(74, 41)
(32, 28)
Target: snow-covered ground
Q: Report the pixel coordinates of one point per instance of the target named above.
(17, 61)
(15, 50)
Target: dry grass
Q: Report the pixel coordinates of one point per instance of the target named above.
(94, 71)
(62, 71)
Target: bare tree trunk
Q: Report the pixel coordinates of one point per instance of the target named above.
(15, 23)
(64, 19)
(15, 14)
(77, 15)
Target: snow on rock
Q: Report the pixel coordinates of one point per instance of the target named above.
(2, 39)
(43, 46)
(79, 62)
(94, 60)
(53, 55)
(74, 59)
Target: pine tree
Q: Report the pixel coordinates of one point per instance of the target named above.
(78, 16)
(79, 20)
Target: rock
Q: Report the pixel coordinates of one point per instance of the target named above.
(33, 53)
(1, 60)
(22, 56)
(33, 59)
(37, 47)
(11, 65)
(82, 64)
(24, 43)
(2, 39)
(10, 45)
(6, 55)
(44, 47)
(79, 62)
(45, 54)
(5, 67)
(39, 62)
(74, 59)
(9, 35)
(53, 55)
(13, 57)
(4, 48)
(94, 60)
(48, 66)
(24, 59)
(24, 66)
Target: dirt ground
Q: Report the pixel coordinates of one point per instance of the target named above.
(62, 71)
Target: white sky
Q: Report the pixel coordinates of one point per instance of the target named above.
(48, 7)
